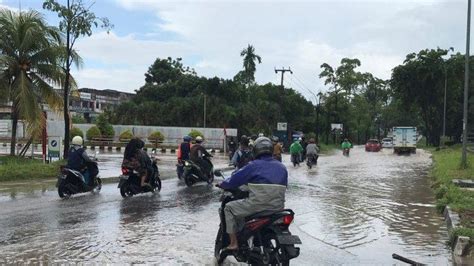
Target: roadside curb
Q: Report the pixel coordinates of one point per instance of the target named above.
(460, 245)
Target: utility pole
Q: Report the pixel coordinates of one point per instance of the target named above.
(283, 70)
(466, 88)
(204, 122)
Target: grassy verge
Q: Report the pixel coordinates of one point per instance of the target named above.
(446, 168)
(14, 169)
(327, 148)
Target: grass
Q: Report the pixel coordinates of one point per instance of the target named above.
(15, 168)
(446, 168)
(327, 148)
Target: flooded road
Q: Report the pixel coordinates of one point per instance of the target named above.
(355, 210)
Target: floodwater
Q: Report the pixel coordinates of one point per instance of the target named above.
(349, 210)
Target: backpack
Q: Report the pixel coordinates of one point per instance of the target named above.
(245, 156)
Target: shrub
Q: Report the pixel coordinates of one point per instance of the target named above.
(76, 132)
(92, 133)
(126, 135)
(78, 119)
(156, 136)
(194, 133)
(108, 131)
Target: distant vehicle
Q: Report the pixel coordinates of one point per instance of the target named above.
(404, 139)
(387, 143)
(373, 145)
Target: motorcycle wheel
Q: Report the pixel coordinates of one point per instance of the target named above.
(125, 191)
(99, 184)
(278, 254)
(211, 179)
(63, 191)
(218, 245)
(188, 181)
(158, 184)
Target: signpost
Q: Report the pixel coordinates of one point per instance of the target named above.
(282, 126)
(54, 147)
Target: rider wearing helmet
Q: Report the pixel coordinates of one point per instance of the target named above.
(197, 154)
(277, 149)
(183, 154)
(79, 160)
(267, 180)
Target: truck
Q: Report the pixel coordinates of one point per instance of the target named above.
(404, 139)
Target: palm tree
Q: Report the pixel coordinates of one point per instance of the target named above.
(249, 64)
(30, 63)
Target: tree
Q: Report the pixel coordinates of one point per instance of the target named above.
(420, 82)
(76, 21)
(30, 52)
(247, 76)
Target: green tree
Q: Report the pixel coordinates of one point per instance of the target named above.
(76, 20)
(93, 133)
(420, 82)
(30, 51)
(105, 128)
(76, 132)
(247, 76)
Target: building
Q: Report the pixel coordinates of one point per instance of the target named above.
(91, 102)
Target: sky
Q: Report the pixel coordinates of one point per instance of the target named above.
(209, 36)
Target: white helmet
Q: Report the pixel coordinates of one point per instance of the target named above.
(261, 135)
(77, 140)
(198, 139)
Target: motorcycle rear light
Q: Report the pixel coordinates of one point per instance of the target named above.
(287, 219)
(124, 171)
(256, 224)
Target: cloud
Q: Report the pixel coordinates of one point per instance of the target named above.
(209, 36)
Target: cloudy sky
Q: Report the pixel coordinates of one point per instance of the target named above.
(209, 36)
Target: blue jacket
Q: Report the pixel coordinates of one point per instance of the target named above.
(264, 170)
(267, 180)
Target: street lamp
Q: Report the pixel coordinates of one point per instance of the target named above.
(317, 115)
(466, 88)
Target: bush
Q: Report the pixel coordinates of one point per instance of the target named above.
(92, 133)
(108, 131)
(78, 119)
(76, 132)
(156, 136)
(194, 133)
(126, 135)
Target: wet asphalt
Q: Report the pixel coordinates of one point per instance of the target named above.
(349, 210)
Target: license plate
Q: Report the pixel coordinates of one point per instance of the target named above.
(288, 239)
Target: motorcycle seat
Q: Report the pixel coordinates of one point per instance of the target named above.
(262, 214)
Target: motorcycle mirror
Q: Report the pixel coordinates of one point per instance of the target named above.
(218, 173)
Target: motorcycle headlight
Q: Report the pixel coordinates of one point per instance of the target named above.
(186, 163)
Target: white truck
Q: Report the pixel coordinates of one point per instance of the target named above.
(404, 139)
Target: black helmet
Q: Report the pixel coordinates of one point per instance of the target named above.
(244, 140)
(263, 145)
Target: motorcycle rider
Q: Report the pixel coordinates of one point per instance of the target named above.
(277, 149)
(346, 144)
(183, 153)
(79, 160)
(135, 158)
(266, 179)
(312, 149)
(197, 154)
(295, 151)
(244, 155)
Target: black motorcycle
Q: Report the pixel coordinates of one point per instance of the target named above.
(265, 238)
(73, 182)
(311, 159)
(194, 173)
(345, 152)
(130, 182)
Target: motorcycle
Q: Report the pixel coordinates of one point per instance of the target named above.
(129, 183)
(193, 173)
(345, 152)
(311, 159)
(72, 182)
(265, 238)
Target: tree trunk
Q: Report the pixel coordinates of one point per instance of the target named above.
(66, 90)
(14, 129)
